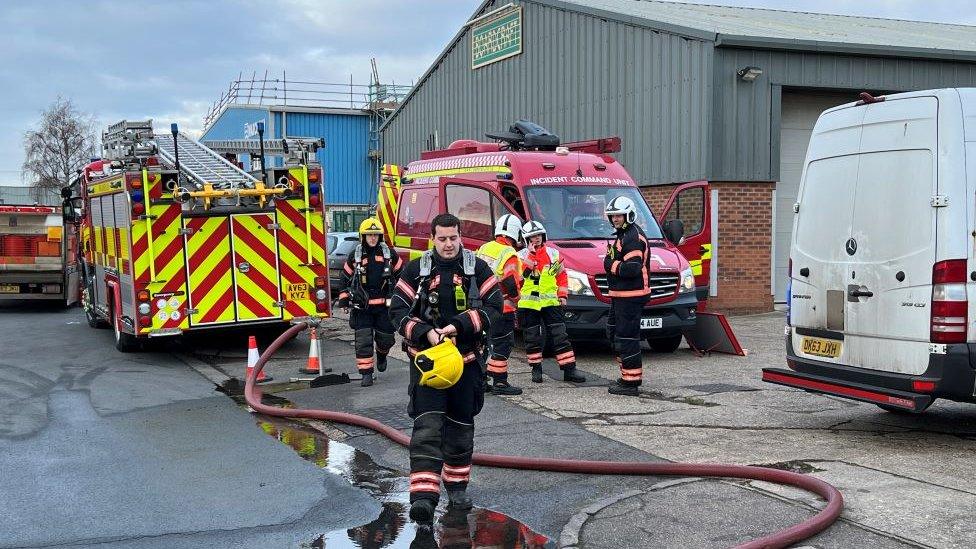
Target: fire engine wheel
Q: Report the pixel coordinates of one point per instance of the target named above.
(125, 343)
(90, 315)
(667, 344)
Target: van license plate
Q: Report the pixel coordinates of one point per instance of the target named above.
(9, 289)
(650, 323)
(829, 348)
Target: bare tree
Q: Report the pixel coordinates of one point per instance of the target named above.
(63, 142)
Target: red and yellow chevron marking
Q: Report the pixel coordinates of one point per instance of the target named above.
(293, 256)
(386, 202)
(168, 290)
(99, 246)
(257, 286)
(211, 283)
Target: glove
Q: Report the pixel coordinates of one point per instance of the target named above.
(342, 302)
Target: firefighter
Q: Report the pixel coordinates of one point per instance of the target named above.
(626, 264)
(367, 282)
(447, 293)
(501, 256)
(543, 295)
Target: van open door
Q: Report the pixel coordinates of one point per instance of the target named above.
(690, 204)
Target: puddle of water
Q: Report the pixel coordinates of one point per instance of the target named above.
(393, 528)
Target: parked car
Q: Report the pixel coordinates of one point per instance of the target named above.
(339, 246)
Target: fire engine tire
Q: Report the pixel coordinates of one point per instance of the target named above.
(786, 537)
(124, 343)
(667, 344)
(93, 320)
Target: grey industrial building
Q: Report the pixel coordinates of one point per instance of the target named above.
(697, 92)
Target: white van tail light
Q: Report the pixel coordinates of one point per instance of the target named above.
(950, 307)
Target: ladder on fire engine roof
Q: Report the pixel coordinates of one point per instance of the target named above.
(295, 150)
(202, 164)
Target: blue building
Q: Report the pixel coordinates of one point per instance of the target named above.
(347, 116)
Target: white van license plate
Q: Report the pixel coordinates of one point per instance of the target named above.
(651, 323)
(829, 348)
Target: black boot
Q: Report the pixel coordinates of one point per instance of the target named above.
(487, 382)
(458, 499)
(505, 388)
(367, 380)
(537, 373)
(422, 512)
(620, 388)
(380, 362)
(570, 374)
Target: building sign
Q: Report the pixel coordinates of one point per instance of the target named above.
(497, 37)
(251, 128)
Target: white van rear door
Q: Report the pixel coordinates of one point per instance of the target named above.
(823, 223)
(893, 239)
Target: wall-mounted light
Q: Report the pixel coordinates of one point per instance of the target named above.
(748, 74)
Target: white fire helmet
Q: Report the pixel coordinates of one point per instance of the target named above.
(510, 226)
(622, 205)
(532, 228)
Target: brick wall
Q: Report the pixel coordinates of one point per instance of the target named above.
(744, 243)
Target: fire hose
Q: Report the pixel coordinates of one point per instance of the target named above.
(782, 538)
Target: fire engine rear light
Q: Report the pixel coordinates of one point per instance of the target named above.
(314, 200)
(320, 282)
(144, 309)
(321, 306)
(950, 305)
(320, 295)
(152, 161)
(921, 386)
(145, 321)
(143, 295)
(313, 176)
(313, 190)
(136, 197)
(138, 209)
(133, 180)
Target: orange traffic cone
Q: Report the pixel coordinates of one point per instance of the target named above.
(252, 360)
(314, 365)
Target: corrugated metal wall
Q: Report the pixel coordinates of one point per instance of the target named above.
(745, 116)
(347, 166)
(581, 77)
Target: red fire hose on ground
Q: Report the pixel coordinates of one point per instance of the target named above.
(783, 538)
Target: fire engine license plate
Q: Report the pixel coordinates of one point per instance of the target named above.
(829, 348)
(295, 292)
(651, 323)
(9, 289)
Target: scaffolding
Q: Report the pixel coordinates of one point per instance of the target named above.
(376, 99)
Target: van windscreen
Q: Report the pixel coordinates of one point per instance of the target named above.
(575, 212)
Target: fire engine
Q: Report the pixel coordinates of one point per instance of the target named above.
(178, 238)
(527, 172)
(38, 254)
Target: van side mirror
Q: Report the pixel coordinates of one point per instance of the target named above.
(674, 231)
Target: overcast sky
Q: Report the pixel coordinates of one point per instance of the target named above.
(170, 60)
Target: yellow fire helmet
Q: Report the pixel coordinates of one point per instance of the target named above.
(440, 366)
(370, 225)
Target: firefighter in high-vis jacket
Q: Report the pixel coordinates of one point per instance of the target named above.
(443, 304)
(541, 301)
(500, 254)
(367, 281)
(626, 264)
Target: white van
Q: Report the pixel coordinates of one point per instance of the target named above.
(882, 256)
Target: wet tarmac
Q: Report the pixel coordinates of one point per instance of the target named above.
(478, 527)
